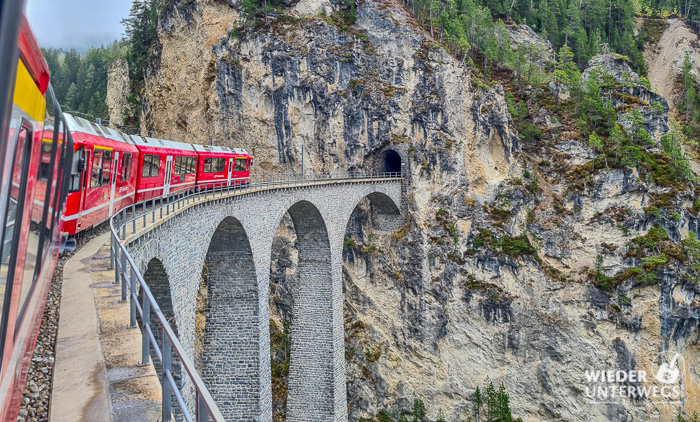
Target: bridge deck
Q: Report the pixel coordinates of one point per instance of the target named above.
(141, 226)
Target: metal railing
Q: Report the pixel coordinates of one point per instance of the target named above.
(126, 273)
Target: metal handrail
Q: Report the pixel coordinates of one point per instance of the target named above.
(125, 271)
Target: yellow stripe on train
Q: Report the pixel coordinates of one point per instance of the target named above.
(27, 94)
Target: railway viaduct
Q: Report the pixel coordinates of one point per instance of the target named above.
(234, 237)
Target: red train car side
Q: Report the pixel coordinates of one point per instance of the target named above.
(222, 166)
(33, 149)
(105, 174)
(165, 167)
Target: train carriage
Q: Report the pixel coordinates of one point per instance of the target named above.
(222, 166)
(34, 144)
(61, 174)
(165, 167)
(105, 174)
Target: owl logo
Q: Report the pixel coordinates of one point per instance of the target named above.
(669, 373)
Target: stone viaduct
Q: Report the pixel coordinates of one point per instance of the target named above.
(234, 237)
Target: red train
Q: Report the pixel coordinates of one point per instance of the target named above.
(34, 147)
(61, 174)
(112, 170)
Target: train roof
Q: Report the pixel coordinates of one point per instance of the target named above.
(146, 142)
(218, 149)
(31, 55)
(78, 124)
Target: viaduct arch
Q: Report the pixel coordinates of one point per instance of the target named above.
(233, 239)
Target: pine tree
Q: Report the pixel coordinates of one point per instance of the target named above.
(477, 402)
(503, 400)
(491, 403)
(72, 97)
(418, 413)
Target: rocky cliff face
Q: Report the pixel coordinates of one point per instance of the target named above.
(117, 90)
(665, 57)
(491, 276)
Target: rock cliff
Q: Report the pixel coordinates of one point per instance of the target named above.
(493, 275)
(117, 90)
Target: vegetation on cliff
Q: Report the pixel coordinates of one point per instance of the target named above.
(585, 26)
(142, 41)
(80, 80)
(689, 102)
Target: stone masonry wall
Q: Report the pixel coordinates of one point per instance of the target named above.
(230, 355)
(322, 215)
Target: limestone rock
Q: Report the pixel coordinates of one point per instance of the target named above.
(117, 90)
(437, 311)
(523, 35)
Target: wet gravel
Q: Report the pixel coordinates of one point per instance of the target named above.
(37, 391)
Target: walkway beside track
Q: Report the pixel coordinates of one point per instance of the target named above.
(97, 377)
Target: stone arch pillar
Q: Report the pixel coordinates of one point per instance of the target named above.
(158, 282)
(231, 339)
(313, 369)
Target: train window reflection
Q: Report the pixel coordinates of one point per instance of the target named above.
(45, 164)
(151, 165)
(18, 237)
(76, 180)
(96, 169)
(220, 165)
(126, 167)
(106, 168)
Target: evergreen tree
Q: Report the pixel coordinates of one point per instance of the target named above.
(477, 403)
(80, 80)
(418, 413)
(491, 403)
(142, 39)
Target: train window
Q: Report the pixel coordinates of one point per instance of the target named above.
(220, 165)
(240, 164)
(207, 164)
(96, 179)
(15, 246)
(77, 170)
(178, 166)
(125, 174)
(151, 165)
(45, 164)
(106, 168)
(192, 165)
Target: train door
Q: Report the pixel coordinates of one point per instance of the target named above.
(113, 185)
(230, 171)
(168, 175)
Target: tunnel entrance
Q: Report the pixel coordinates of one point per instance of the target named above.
(392, 162)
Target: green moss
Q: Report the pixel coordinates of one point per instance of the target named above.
(653, 236)
(372, 354)
(529, 133)
(517, 246)
(354, 83)
(485, 238)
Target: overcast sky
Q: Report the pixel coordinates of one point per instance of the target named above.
(78, 24)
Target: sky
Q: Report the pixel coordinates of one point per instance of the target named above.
(78, 24)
